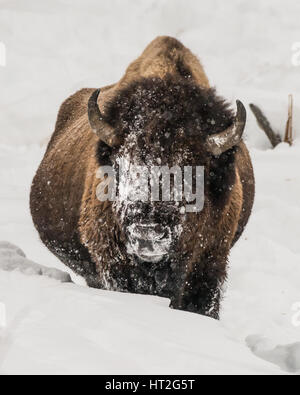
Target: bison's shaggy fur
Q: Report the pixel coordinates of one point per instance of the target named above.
(166, 94)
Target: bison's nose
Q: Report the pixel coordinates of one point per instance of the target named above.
(150, 242)
(152, 232)
(145, 245)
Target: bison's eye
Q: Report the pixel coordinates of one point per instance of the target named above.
(181, 133)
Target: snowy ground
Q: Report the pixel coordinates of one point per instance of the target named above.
(55, 327)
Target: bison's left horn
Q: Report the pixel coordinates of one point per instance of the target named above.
(98, 124)
(219, 143)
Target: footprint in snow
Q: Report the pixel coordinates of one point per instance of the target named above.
(287, 357)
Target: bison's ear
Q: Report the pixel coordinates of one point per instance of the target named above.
(103, 130)
(222, 142)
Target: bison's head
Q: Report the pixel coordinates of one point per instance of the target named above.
(170, 123)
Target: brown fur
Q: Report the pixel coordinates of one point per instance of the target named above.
(83, 232)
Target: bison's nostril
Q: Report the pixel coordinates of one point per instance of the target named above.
(152, 232)
(159, 229)
(145, 244)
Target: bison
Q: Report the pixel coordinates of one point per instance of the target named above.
(163, 111)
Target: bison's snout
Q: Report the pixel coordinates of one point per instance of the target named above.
(151, 232)
(149, 242)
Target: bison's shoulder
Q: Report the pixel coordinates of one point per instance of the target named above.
(73, 108)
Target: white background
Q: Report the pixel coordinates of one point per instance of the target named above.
(54, 48)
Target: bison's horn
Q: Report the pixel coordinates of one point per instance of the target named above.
(102, 129)
(219, 143)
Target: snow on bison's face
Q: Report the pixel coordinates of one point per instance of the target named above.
(150, 214)
(160, 136)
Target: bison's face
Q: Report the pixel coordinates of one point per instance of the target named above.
(151, 227)
(161, 124)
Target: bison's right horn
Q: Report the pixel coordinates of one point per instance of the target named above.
(99, 126)
(216, 144)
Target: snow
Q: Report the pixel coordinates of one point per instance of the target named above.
(12, 258)
(66, 329)
(54, 48)
(287, 357)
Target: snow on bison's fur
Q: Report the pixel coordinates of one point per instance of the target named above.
(162, 111)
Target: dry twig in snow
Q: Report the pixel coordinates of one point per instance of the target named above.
(265, 125)
(289, 126)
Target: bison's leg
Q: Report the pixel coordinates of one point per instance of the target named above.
(203, 299)
(201, 289)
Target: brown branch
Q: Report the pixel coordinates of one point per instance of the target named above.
(289, 126)
(265, 125)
